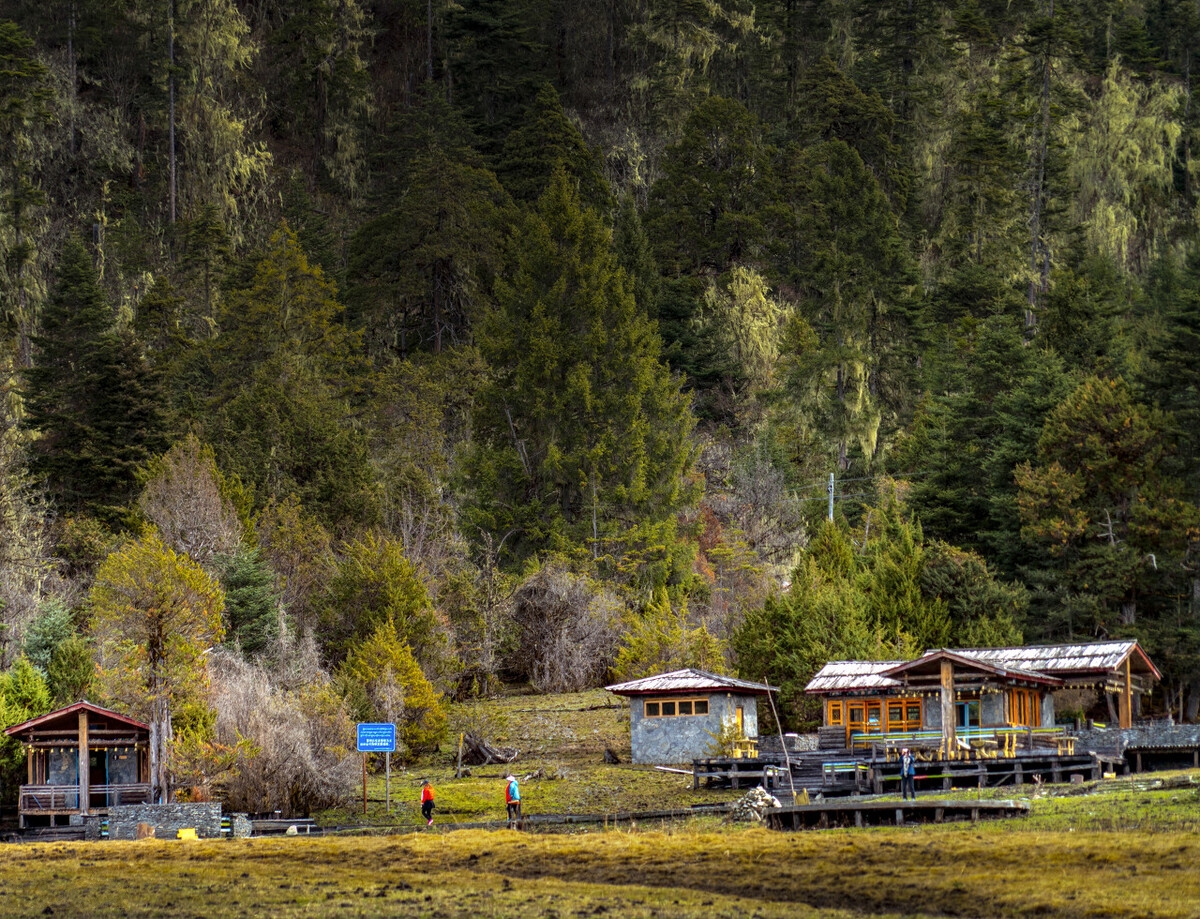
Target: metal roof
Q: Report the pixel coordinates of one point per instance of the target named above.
(1037, 662)
(853, 676)
(969, 660)
(688, 680)
(1066, 660)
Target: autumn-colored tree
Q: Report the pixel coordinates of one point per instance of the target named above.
(375, 584)
(155, 614)
(383, 682)
(661, 638)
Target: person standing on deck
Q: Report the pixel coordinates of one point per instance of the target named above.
(427, 802)
(512, 800)
(908, 773)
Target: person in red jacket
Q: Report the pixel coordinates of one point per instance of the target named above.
(427, 802)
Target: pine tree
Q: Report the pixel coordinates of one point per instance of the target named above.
(251, 600)
(582, 435)
(91, 398)
(546, 140)
(840, 246)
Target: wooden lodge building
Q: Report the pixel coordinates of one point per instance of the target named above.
(968, 691)
(82, 759)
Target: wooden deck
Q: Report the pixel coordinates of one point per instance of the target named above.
(834, 773)
(857, 812)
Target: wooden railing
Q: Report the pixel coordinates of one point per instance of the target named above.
(62, 798)
(981, 742)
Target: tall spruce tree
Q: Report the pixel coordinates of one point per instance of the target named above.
(583, 436)
(93, 401)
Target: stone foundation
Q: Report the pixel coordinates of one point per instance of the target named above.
(166, 819)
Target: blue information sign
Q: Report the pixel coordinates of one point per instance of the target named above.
(376, 738)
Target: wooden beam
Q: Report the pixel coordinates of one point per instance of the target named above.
(1127, 708)
(947, 698)
(84, 760)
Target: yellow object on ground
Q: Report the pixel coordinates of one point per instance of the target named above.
(187, 833)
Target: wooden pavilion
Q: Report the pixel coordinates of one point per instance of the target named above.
(81, 759)
(970, 690)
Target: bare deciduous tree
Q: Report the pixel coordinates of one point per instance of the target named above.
(568, 630)
(301, 754)
(183, 499)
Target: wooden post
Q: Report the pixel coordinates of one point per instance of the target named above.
(947, 694)
(84, 762)
(1126, 707)
(458, 766)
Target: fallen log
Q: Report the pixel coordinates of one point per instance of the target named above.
(478, 752)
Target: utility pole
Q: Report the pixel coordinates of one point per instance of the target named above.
(831, 497)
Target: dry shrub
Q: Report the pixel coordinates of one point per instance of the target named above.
(302, 755)
(567, 627)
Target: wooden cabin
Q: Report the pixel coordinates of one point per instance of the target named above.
(978, 688)
(112, 749)
(674, 717)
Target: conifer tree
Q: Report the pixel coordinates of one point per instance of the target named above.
(90, 396)
(583, 437)
(546, 140)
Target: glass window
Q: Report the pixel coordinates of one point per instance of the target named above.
(835, 712)
(914, 712)
(701, 707)
(685, 707)
(668, 708)
(651, 709)
(895, 712)
(856, 714)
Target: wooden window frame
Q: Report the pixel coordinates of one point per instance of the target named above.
(1024, 708)
(835, 713)
(675, 703)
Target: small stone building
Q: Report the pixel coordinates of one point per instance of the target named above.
(674, 717)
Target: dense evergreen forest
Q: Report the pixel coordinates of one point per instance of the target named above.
(397, 348)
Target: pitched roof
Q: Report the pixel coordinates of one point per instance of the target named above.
(1069, 660)
(1038, 663)
(70, 710)
(929, 664)
(689, 680)
(852, 676)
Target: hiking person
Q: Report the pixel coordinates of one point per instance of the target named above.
(512, 800)
(908, 773)
(427, 802)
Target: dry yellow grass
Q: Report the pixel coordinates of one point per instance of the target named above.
(956, 870)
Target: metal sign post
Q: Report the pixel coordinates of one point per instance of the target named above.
(376, 737)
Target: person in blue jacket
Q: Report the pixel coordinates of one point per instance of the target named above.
(908, 775)
(512, 800)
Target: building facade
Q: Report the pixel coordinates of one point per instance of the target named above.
(946, 690)
(678, 717)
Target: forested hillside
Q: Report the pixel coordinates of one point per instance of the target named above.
(404, 347)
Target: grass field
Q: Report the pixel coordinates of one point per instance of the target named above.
(695, 869)
(1124, 848)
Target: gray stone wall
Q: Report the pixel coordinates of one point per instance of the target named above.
(683, 738)
(1048, 710)
(992, 709)
(167, 820)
